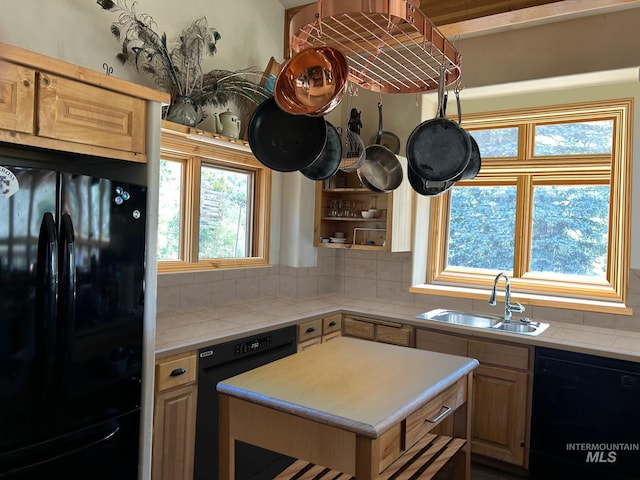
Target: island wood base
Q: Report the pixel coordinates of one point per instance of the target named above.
(337, 450)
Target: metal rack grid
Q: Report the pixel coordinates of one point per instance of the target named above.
(390, 45)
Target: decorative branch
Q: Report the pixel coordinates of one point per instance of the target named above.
(179, 70)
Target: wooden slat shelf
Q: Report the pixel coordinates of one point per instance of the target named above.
(422, 461)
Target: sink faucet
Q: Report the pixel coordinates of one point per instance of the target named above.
(509, 307)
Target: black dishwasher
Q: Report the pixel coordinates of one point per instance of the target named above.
(585, 417)
(222, 361)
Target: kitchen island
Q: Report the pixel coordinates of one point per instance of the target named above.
(357, 407)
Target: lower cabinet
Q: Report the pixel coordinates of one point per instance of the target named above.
(377, 330)
(320, 330)
(174, 420)
(501, 392)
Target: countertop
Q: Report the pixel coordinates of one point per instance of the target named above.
(194, 328)
(327, 383)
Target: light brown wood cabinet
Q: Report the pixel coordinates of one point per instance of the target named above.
(75, 112)
(377, 330)
(17, 97)
(174, 420)
(320, 330)
(501, 392)
(50, 104)
(339, 203)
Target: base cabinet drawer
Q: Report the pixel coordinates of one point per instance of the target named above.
(379, 331)
(437, 410)
(352, 327)
(397, 335)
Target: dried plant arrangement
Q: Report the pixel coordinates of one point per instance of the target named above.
(177, 68)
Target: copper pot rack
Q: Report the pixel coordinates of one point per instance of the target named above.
(390, 45)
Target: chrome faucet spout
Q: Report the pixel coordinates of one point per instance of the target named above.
(508, 306)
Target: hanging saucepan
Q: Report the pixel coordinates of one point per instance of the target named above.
(326, 165)
(439, 149)
(384, 138)
(428, 188)
(312, 82)
(380, 171)
(285, 142)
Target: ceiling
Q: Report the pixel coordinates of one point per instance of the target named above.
(468, 17)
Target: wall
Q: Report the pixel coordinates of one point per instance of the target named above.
(78, 32)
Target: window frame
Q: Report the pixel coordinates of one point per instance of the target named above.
(609, 296)
(194, 148)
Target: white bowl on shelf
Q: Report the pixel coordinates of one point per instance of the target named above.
(338, 240)
(367, 214)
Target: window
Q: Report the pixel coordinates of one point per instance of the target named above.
(549, 207)
(213, 207)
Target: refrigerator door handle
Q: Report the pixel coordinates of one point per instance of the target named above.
(46, 301)
(66, 296)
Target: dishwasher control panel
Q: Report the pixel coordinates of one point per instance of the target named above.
(253, 345)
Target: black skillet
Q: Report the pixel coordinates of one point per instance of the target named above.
(428, 188)
(439, 149)
(285, 142)
(327, 164)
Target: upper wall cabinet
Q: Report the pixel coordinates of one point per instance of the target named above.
(51, 104)
(17, 97)
(73, 111)
(340, 203)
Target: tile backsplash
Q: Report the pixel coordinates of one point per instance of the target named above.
(355, 273)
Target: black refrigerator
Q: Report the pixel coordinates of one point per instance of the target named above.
(72, 250)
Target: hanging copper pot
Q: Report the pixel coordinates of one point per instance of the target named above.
(312, 82)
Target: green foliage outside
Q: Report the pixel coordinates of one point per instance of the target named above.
(570, 223)
(224, 234)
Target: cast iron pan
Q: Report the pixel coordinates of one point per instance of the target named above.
(439, 149)
(326, 165)
(427, 187)
(285, 142)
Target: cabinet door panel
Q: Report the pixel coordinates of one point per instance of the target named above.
(174, 434)
(500, 409)
(76, 112)
(17, 98)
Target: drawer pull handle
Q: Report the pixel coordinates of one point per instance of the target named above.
(177, 371)
(332, 323)
(311, 329)
(444, 413)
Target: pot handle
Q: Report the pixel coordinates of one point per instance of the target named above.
(457, 92)
(441, 91)
(379, 134)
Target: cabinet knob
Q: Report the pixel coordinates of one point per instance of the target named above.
(177, 371)
(311, 329)
(45, 81)
(332, 323)
(26, 83)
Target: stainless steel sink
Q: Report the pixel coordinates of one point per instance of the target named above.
(478, 320)
(461, 318)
